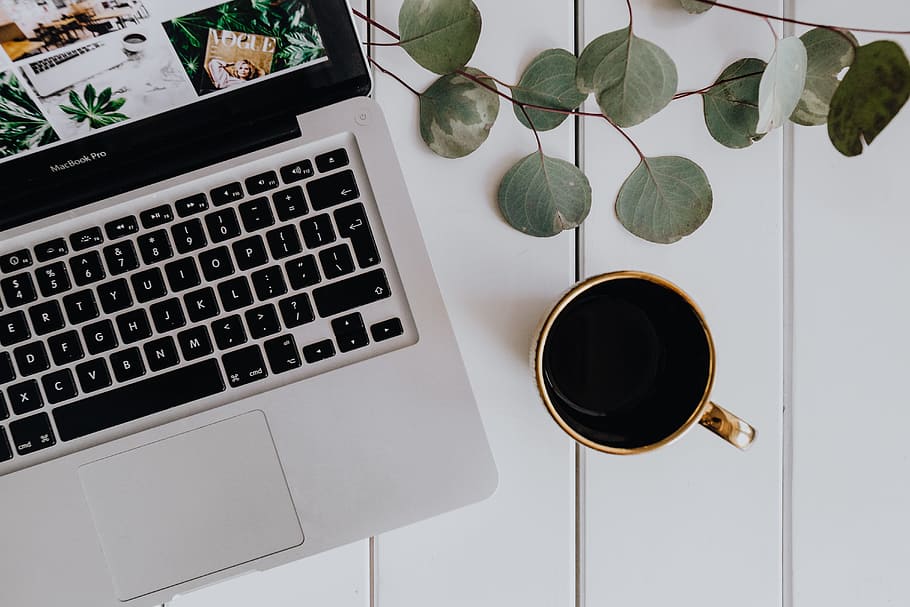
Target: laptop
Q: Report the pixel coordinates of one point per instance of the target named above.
(58, 71)
(222, 345)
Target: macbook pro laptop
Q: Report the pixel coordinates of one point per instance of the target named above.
(222, 346)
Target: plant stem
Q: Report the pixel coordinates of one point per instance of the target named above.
(704, 90)
(388, 73)
(747, 11)
(629, 6)
(376, 24)
(382, 43)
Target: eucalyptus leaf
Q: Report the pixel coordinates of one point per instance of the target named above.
(664, 199)
(440, 35)
(731, 105)
(549, 80)
(542, 196)
(456, 113)
(872, 92)
(632, 78)
(695, 7)
(781, 84)
(828, 53)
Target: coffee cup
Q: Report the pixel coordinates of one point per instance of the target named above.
(625, 363)
(134, 42)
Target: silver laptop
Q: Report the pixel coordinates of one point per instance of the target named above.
(222, 346)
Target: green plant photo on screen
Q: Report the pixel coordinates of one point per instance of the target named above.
(22, 125)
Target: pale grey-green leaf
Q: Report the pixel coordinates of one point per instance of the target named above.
(664, 199)
(440, 35)
(731, 105)
(828, 53)
(542, 196)
(456, 113)
(694, 6)
(781, 84)
(549, 81)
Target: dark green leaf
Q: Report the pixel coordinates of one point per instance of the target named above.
(731, 107)
(549, 81)
(829, 52)
(694, 6)
(104, 97)
(440, 35)
(89, 95)
(456, 113)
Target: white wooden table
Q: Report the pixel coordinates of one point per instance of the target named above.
(801, 273)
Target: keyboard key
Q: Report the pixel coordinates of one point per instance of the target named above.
(336, 261)
(11, 262)
(296, 310)
(262, 182)
(100, 337)
(93, 376)
(18, 290)
(262, 321)
(352, 341)
(161, 353)
(351, 293)
(31, 358)
(85, 239)
(250, 252)
(160, 215)
(230, 192)
(302, 272)
(127, 365)
(32, 434)
(115, 296)
(352, 223)
(4, 412)
(350, 332)
(134, 326)
(191, 205)
(297, 171)
(6, 452)
(317, 231)
(228, 332)
(256, 214)
(269, 283)
(168, 315)
(51, 249)
(216, 263)
(155, 247)
(244, 366)
(59, 386)
(65, 348)
(386, 329)
(182, 274)
(334, 189)
(87, 268)
(188, 236)
(290, 203)
(195, 343)
(283, 242)
(148, 285)
(13, 328)
(121, 227)
(332, 160)
(53, 279)
(46, 317)
(222, 225)
(121, 257)
(7, 373)
(235, 294)
(282, 354)
(201, 305)
(155, 394)
(320, 350)
(25, 397)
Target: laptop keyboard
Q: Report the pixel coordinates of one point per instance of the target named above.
(50, 62)
(186, 300)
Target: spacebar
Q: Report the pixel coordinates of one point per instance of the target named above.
(154, 395)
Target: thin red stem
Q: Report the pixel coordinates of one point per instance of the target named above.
(388, 73)
(704, 90)
(629, 6)
(376, 24)
(382, 43)
(747, 11)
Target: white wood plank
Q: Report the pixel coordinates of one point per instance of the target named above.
(697, 522)
(517, 547)
(851, 219)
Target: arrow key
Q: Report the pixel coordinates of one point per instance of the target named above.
(319, 351)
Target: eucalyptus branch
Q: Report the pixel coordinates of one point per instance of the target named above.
(393, 75)
(747, 11)
(704, 90)
(376, 24)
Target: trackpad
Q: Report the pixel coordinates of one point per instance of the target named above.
(190, 505)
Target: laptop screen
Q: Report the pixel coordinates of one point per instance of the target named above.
(98, 97)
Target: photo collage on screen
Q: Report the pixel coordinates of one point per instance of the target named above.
(71, 67)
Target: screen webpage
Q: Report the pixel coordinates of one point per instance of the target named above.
(71, 68)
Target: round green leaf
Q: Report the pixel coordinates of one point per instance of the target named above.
(440, 35)
(456, 114)
(549, 80)
(828, 53)
(731, 107)
(543, 196)
(872, 92)
(632, 78)
(694, 6)
(781, 84)
(664, 199)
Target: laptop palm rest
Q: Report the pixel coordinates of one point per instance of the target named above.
(191, 505)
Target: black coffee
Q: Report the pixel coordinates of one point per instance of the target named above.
(626, 363)
(135, 38)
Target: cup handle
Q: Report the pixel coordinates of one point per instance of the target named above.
(727, 426)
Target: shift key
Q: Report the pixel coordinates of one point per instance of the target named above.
(351, 293)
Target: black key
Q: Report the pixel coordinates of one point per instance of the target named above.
(195, 342)
(283, 242)
(216, 263)
(262, 321)
(81, 306)
(350, 332)
(127, 364)
(13, 328)
(99, 337)
(4, 414)
(386, 329)
(244, 366)
(222, 225)
(87, 268)
(332, 160)
(201, 304)
(93, 376)
(53, 279)
(160, 215)
(302, 272)
(18, 290)
(269, 283)
(228, 332)
(121, 227)
(6, 452)
(59, 386)
(7, 373)
(319, 351)
(249, 252)
(290, 203)
(230, 192)
(261, 183)
(351, 293)
(114, 296)
(65, 348)
(31, 358)
(188, 236)
(46, 317)
(352, 223)
(352, 341)
(152, 395)
(121, 257)
(334, 189)
(256, 214)
(336, 261)
(51, 249)
(155, 247)
(182, 274)
(161, 353)
(148, 285)
(235, 294)
(191, 205)
(296, 310)
(297, 171)
(168, 315)
(282, 354)
(134, 326)
(317, 231)
(85, 239)
(17, 260)
(32, 434)
(25, 397)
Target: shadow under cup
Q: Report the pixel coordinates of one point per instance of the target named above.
(626, 363)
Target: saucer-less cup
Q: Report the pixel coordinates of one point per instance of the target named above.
(625, 364)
